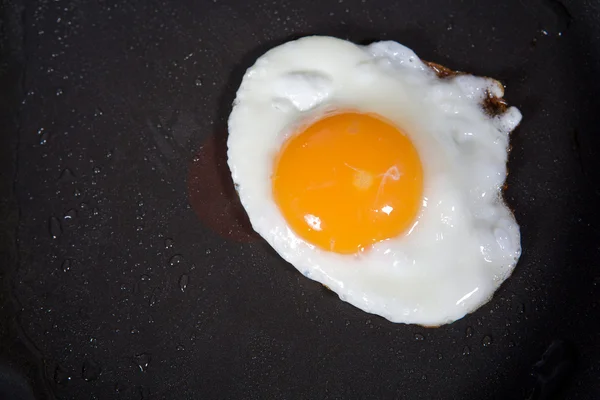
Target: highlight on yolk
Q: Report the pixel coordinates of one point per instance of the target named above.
(347, 181)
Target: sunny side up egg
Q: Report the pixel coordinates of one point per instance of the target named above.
(371, 174)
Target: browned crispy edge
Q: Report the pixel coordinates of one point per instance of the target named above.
(492, 105)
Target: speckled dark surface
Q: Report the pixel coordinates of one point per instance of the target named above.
(114, 109)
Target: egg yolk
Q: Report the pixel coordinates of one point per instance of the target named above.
(347, 181)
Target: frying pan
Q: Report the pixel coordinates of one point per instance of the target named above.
(130, 271)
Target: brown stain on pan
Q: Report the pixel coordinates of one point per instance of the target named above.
(212, 195)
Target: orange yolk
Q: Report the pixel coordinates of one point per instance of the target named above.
(347, 181)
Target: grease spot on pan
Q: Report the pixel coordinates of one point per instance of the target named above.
(212, 195)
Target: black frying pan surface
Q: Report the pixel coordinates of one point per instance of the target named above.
(131, 271)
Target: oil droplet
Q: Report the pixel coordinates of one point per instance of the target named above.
(66, 265)
(419, 337)
(90, 370)
(145, 277)
(144, 393)
(466, 351)
(67, 175)
(198, 82)
(208, 251)
(424, 377)
(98, 112)
(71, 214)
(54, 227)
(183, 282)
(176, 260)
(109, 154)
(95, 211)
(61, 377)
(469, 332)
(168, 243)
(440, 356)
(77, 193)
(487, 340)
(180, 348)
(511, 344)
(97, 170)
(59, 92)
(142, 361)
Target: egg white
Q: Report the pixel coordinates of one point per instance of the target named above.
(464, 243)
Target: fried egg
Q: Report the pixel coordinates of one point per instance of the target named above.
(376, 176)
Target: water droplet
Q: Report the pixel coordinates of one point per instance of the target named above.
(54, 227)
(95, 211)
(152, 300)
(97, 170)
(176, 260)
(487, 340)
(208, 251)
(66, 265)
(77, 193)
(168, 243)
(511, 344)
(142, 361)
(141, 203)
(440, 356)
(120, 387)
(180, 348)
(418, 336)
(98, 112)
(469, 332)
(466, 351)
(109, 154)
(67, 175)
(145, 277)
(71, 214)
(44, 136)
(90, 370)
(83, 205)
(198, 82)
(61, 377)
(183, 282)
(134, 331)
(424, 377)
(59, 92)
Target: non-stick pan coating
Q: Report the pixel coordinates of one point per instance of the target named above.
(131, 271)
